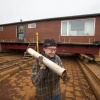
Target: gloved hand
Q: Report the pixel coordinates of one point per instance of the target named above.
(40, 61)
(43, 68)
(66, 77)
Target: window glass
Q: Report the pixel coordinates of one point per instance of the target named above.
(20, 29)
(1, 28)
(32, 25)
(64, 28)
(82, 27)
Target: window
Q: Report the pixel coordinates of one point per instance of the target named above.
(1, 28)
(33, 25)
(20, 29)
(81, 27)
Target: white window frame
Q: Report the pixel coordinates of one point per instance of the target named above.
(1, 28)
(32, 25)
(67, 33)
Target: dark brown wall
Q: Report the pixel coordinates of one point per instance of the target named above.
(8, 33)
(50, 29)
(45, 29)
(97, 29)
(84, 39)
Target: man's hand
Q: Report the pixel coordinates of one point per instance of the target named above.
(40, 60)
(66, 77)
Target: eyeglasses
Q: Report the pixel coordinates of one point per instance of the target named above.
(52, 49)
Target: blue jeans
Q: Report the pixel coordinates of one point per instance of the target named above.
(58, 97)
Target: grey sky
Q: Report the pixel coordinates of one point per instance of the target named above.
(13, 10)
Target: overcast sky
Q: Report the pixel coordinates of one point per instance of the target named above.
(13, 10)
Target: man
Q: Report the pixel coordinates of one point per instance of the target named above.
(44, 79)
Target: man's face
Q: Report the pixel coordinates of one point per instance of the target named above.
(50, 51)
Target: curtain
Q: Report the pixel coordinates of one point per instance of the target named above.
(89, 27)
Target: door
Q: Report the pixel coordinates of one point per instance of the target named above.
(21, 33)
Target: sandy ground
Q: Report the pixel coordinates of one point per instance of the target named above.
(20, 87)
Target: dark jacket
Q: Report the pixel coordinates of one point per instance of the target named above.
(46, 81)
